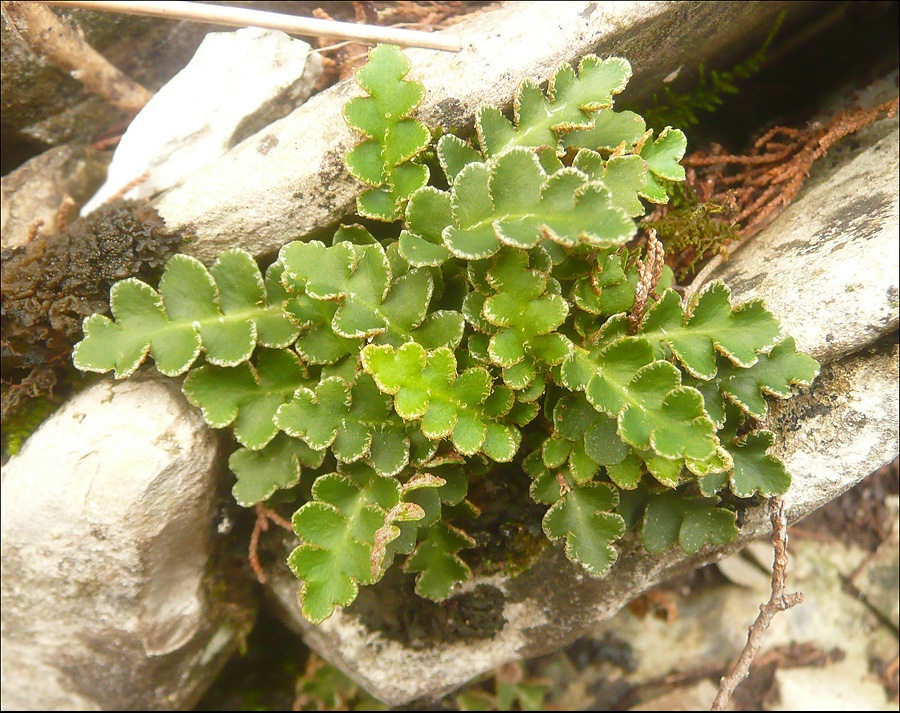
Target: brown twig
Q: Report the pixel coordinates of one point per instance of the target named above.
(771, 174)
(133, 183)
(263, 516)
(65, 47)
(779, 601)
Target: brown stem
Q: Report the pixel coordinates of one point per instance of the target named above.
(64, 46)
(779, 601)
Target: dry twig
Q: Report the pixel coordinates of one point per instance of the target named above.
(779, 601)
(64, 213)
(263, 515)
(133, 183)
(65, 47)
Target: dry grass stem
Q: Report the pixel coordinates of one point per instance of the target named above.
(291, 24)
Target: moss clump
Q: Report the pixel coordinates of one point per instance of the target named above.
(51, 284)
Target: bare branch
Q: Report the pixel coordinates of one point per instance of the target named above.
(64, 46)
(779, 601)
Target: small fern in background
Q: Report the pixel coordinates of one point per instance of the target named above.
(681, 109)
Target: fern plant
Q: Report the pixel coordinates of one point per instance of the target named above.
(499, 320)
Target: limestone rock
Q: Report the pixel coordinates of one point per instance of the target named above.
(37, 188)
(111, 599)
(237, 83)
(833, 688)
(289, 180)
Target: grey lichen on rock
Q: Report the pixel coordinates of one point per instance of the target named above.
(111, 596)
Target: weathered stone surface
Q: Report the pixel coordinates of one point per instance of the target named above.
(711, 629)
(829, 266)
(829, 438)
(110, 599)
(38, 187)
(236, 84)
(834, 688)
(289, 180)
(695, 697)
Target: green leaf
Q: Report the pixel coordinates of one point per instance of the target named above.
(584, 438)
(692, 521)
(610, 129)
(349, 296)
(584, 517)
(261, 473)
(511, 201)
(711, 327)
(646, 397)
(392, 137)
(246, 396)
(338, 529)
(625, 177)
(571, 99)
(754, 471)
(627, 474)
(662, 157)
(194, 310)
(355, 421)
(663, 154)
(454, 155)
(428, 213)
(526, 315)
(772, 375)
(435, 560)
(425, 386)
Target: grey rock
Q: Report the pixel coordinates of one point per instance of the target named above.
(237, 83)
(110, 596)
(829, 438)
(833, 688)
(289, 181)
(37, 188)
(711, 628)
(829, 266)
(695, 697)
